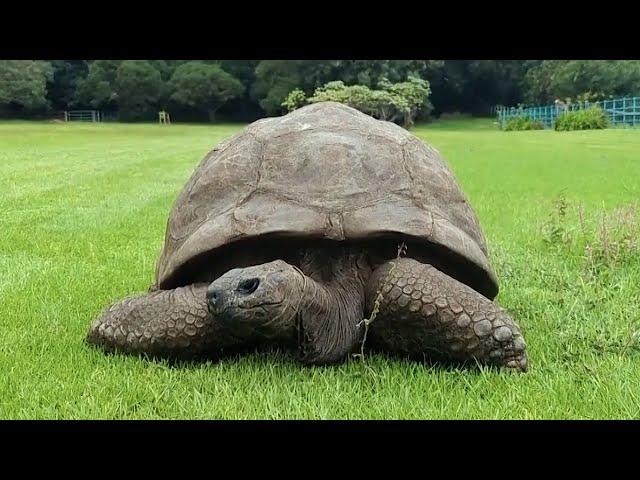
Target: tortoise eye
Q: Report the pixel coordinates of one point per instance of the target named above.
(248, 286)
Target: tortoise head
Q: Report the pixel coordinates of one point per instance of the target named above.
(262, 298)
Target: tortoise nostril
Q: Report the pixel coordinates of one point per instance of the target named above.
(248, 286)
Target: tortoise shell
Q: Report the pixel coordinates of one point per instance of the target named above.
(325, 171)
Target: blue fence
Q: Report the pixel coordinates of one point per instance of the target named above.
(621, 112)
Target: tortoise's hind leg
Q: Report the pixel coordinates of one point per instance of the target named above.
(167, 323)
(425, 312)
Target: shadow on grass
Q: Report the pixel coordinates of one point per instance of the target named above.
(280, 356)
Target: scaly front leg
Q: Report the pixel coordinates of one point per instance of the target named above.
(425, 312)
(167, 323)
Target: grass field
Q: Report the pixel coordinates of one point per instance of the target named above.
(84, 208)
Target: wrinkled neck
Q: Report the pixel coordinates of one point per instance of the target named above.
(332, 305)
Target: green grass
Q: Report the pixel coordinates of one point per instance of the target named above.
(84, 208)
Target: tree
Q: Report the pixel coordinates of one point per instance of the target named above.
(97, 89)
(274, 79)
(588, 79)
(166, 69)
(23, 84)
(359, 97)
(474, 86)
(471, 86)
(138, 87)
(371, 72)
(392, 101)
(415, 97)
(61, 89)
(244, 107)
(203, 86)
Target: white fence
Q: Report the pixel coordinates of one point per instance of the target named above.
(83, 116)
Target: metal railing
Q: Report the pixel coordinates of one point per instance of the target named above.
(620, 111)
(83, 116)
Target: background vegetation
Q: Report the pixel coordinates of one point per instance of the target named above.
(243, 90)
(587, 119)
(522, 123)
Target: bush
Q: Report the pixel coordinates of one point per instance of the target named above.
(294, 100)
(522, 123)
(393, 102)
(588, 119)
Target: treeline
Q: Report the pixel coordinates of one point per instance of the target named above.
(247, 89)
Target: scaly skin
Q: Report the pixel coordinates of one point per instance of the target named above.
(287, 306)
(170, 323)
(425, 312)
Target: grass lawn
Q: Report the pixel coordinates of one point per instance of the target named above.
(84, 208)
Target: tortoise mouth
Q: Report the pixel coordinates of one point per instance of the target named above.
(254, 306)
(238, 305)
(209, 265)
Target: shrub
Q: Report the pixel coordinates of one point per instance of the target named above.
(522, 123)
(294, 100)
(587, 119)
(393, 102)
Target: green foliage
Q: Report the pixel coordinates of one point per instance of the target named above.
(474, 86)
(23, 84)
(554, 230)
(203, 86)
(61, 89)
(590, 97)
(138, 86)
(610, 241)
(587, 119)
(371, 72)
(294, 100)
(243, 107)
(522, 123)
(414, 94)
(538, 83)
(595, 79)
(356, 96)
(602, 241)
(97, 89)
(133, 87)
(468, 86)
(391, 102)
(274, 79)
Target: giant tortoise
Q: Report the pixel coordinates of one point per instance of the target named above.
(287, 234)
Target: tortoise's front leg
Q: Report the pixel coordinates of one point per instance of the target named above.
(424, 311)
(167, 323)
